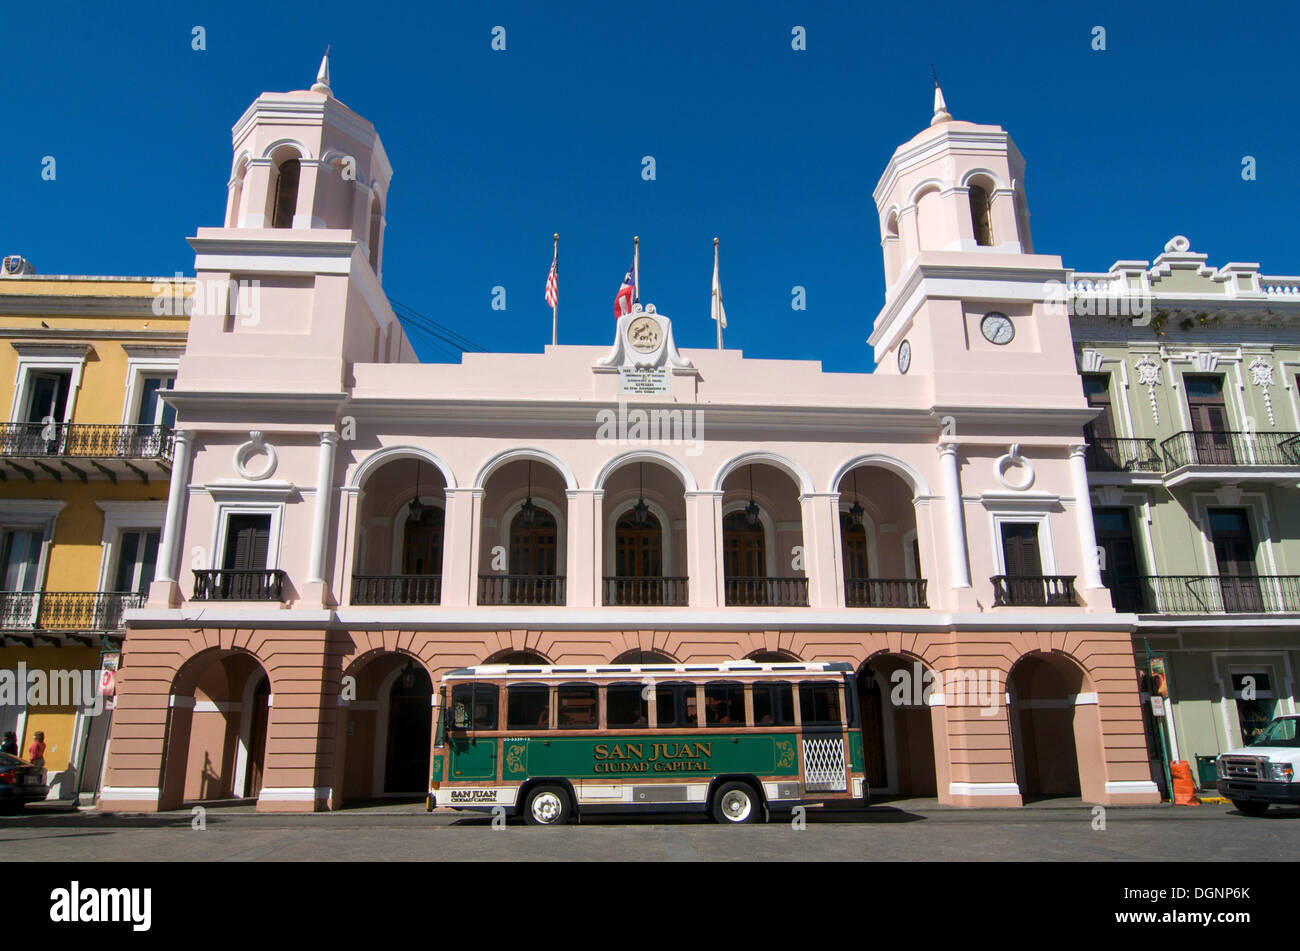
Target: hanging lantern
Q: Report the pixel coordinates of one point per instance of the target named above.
(751, 510)
(408, 675)
(641, 511)
(856, 511)
(529, 509)
(416, 509)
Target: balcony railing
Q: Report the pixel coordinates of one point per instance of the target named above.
(767, 592)
(646, 592)
(1207, 594)
(86, 441)
(1229, 448)
(1106, 454)
(231, 584)
(66, 610)
(521, 589)
(396, 589)
(884, 592)
(1033, 590)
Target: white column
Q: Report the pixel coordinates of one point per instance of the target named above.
(823, 562)
(1083, 512)
(704, 548)
(169, 548)
(960, 557)
(583, 548)
(320, 520)
(462, 527)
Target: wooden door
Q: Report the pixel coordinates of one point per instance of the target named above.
(1234, 553)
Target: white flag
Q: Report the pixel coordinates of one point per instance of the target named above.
(719, 313)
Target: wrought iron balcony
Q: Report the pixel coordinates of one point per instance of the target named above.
(396, 589)
(231, 584)
(66, 610)
(647, 592)
(1033, 591)
(1207, 594)
(884, 592)
(767, 592)
(1106, 454)
(521, 589)
(1229, 448)
(52, 448)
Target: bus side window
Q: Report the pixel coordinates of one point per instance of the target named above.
(665, 705)
(819, 704)
(626, 708)
(675, 705)
(576, 707)
(773, 704)
(474, 706)
(724, 703)
(528, 707)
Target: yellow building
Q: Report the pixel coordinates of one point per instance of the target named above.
(85, 459)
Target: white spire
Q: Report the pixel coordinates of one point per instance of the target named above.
(322, 83)
(940, 107)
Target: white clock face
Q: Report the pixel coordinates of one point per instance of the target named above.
(904, 356)
(997, 328)
(644, 335)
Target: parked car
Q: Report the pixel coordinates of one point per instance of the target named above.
(20, 783)
(1263, 773)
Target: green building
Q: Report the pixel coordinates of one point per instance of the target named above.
(1194, 468)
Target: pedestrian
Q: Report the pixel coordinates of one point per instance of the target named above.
(36, 752)
(10, 744)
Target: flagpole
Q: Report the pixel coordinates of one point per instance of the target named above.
(636, 269)
(555, 308)
(717, 316)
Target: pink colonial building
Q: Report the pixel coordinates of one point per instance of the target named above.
(345, 524)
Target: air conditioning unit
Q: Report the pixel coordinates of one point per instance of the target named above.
(15, 264)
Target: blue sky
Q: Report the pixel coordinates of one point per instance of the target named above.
(773, 150)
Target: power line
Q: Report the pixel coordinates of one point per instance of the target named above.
(443, 338)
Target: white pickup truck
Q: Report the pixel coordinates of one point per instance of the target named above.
(1257, 776)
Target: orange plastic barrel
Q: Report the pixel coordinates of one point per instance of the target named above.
(1184, 789)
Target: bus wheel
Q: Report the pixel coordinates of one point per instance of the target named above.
(1249, 808)
(547, 806)
(735, 802)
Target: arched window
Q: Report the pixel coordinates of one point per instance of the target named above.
(980, 217)
(422, 543)
(638, 547)
(533, 546)
(743, 548)
(286, 194)
(376, 226)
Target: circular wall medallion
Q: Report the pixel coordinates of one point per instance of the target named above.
(644, 335)
(256, 446)
(997, 328)
(1013, 459)
(904, 356)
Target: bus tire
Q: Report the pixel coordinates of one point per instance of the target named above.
(736, 802)
(547, 806)
(1248, 808)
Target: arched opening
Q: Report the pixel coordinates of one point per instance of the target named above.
(236, 194)
(386, 733)
(893, 251)
(401, 530)
(516, 658)
(930, 225)
(645, 535)
(524, 524)
(773, 657)
(762, 536)
(981, 214)
(878, 540)
(643, 657)
(284, 201)
(1050, 725)
(897, 726)
(217, 728)
(376, 231)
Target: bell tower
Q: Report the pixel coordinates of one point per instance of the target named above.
(289, 289)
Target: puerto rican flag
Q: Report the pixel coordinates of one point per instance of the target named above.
(623, 302)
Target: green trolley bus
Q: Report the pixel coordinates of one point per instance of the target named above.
(739, 740)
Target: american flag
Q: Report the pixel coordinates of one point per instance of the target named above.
(623, 302)
(553, 283)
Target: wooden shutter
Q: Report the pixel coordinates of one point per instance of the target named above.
(1020, 549)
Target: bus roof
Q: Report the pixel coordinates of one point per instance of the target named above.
(747, 668)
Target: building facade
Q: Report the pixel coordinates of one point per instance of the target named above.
(85, 463)
(344, 523)
(1194, 463)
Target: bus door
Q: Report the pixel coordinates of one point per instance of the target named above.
(473, 709)
(823, 736)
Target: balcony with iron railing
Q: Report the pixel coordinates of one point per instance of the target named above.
(1230, 448)
(767, 592)
(110, 451)
(66, 611)
(1206, 594)
(884, 592)
(646, 592)
(396, 589)
(540, 590)
(1033, 591)
(239, 584)
(1108, 454)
